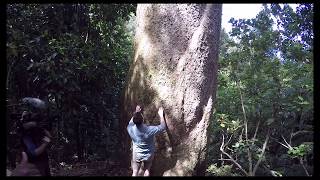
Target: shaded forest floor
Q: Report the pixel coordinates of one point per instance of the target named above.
(96, 168)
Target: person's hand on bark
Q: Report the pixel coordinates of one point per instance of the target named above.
(161, 112)
(138, 108)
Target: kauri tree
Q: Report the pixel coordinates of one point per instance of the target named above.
(174, 66)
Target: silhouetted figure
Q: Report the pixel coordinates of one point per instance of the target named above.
(35, 138)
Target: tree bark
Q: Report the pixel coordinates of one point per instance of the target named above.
(175, 66)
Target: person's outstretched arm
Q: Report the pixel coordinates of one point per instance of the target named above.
(138, 109)
(153, 130)
(162, 118)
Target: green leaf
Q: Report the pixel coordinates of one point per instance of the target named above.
(304, 103)
(236, 145)
(270, 121)
(276, 173)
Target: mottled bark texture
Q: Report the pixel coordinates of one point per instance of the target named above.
(175, 66)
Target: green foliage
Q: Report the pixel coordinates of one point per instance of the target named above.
(300, 151)
(227, 123)
(75, 57)
(268, 59)
(224, 170)
(276, 173)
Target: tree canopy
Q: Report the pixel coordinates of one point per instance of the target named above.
(74, 56)
(265, 95)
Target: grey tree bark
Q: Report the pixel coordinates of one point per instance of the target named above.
(175, 66)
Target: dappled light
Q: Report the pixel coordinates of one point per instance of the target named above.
(183, 94)
(159, 89)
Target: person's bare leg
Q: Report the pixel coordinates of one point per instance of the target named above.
(141, 170)
(147, 166)
(136, 166)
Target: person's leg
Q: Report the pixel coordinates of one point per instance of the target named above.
(141, 170)
(147, 166)
(135, 167)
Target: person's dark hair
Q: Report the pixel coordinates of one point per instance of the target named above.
(137, 118)
(34, 109)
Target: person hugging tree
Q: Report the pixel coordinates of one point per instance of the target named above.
(143, 143)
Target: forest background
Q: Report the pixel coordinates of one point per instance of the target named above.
(76, 57)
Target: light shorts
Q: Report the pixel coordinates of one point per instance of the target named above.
(139, 157)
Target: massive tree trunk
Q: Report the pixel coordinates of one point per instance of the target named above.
(175, 66)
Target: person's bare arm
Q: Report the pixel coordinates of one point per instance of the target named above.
(47, 133)
(46, 140)
(31, 146)
(162, 117)
(138, 109)
(29, 125)
(41, 148)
